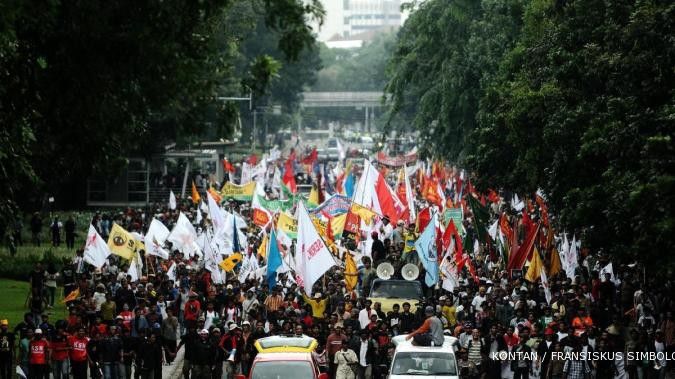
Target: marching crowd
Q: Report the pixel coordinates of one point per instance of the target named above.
(117, 327)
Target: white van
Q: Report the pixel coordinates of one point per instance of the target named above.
(411, 362)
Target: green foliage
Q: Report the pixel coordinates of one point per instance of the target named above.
(575, 98)
(83, 85)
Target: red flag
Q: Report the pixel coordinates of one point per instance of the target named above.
(493, 196)
(289, 174)
(252, 160)
(227, 166)
(472, 271)
(311, 158)
(517, 260)
(423, 219)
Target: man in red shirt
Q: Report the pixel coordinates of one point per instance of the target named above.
(78, 354)
(38, 356)
(192, 310)
(59, 348)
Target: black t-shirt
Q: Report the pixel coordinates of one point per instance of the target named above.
(6, 343)
(22, 329)
(110, 349)
(190, 340)
(37, 278)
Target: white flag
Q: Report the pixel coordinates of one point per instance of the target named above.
(19, 371)
(571, 259)
(609, 269)
(216, 215)
(96, 249)
(341, 151)
(184, 237)
(312, 258)
(494, 228)
(171, 272)
(155, 238)
(411, 199)
(547, 287)
(135, 268)
(172, 200)
(517, 204)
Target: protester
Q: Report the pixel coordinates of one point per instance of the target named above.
(129, 314)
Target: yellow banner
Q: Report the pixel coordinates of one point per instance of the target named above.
(288, 225)
(237, 192)
(230, 262)
(122, 243)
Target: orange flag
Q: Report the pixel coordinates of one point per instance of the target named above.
(195, 195)
(216, 195)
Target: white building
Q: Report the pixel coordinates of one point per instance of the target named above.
(347, 18)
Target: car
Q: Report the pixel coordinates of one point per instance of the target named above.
(395, 291)
(367, 142)
(284, 366)
(411, 361)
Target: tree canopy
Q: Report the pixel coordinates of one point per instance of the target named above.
(84, 84)
(571, 97)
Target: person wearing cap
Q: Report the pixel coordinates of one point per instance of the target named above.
(232, 346)
(333, 344)
(7, 340)
(317, 302)
(431, 331)
(39, 356)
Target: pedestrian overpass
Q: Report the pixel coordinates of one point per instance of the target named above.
(367, 101)
(341, 99)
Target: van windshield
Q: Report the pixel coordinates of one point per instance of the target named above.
(424, 363)
(398, 289)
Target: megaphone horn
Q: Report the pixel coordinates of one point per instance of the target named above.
(410, 271)
(385, 270)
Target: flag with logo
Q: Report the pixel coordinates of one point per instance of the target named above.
(155, 238)
(428, 252)
(121, 242)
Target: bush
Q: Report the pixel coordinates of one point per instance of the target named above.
(19, 266)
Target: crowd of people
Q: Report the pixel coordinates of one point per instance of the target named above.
(118, 326)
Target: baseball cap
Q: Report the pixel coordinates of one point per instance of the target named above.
(229, 287)
(38, 331)
(429, 310)
(4, 322)
(233, 326)
(203, 331)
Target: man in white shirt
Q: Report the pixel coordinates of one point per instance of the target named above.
(364, 315)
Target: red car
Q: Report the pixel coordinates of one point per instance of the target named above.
(284, 366)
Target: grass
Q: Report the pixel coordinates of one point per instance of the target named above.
(13, 299)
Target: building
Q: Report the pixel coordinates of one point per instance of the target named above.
(348, 18)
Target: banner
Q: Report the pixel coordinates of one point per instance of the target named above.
(336, 205)
(237, 192)
(274, 205)
(397, 161)
(454, 214)
(288, 225)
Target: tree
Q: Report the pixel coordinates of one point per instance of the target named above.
(85, 84)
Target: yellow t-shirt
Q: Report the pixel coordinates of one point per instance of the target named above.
(449, 314)
(318, 307)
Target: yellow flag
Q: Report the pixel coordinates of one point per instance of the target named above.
(351, 274)
(122, 243)
(337, 224)
(556, 265)
(313, 196)
(364, 213)
(230, 262)
(195, 195)
(262, 249)
(534, 271)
